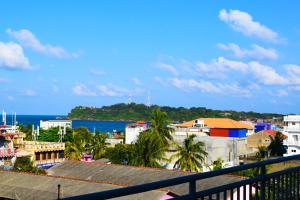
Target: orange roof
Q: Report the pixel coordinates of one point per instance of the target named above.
(272, 133)
(217, 123)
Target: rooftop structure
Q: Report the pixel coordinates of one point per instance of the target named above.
(261, 138)
(127, 176)
(220, 127)
(16, 185)
(46, 124)
(216, 123)
(132, 131)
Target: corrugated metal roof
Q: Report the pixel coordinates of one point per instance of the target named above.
(127, 175)
(217, 123)
(25, 186)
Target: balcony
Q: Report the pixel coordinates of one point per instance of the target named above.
(290, 129)
(284, 184)
(43, 146)
(8, 152)
(294, 143)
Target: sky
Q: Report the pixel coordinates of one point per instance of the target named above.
(233, 55)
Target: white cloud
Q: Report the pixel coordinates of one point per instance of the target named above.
(256, 51)
(97, 72)
(29, 93)
(169, 68)
(217, 67)
(160, 80)
(209, 87)
(243, 22)
(112, 90)
(281, 93)
(266, 74)
(83, 90)
(29, 40)
(12, 57)
(10, 98)
(293, 73)
(136, 81)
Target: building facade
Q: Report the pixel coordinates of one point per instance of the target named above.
(216, 127)
(292, 130)
(7, 150)
(132, 131)
(46, 124)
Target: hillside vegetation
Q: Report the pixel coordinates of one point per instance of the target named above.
(134, 112)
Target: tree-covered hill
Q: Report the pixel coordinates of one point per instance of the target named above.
(134, 112)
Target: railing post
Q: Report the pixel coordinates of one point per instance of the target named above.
(192, 189)
(58, 192)
(263, 182)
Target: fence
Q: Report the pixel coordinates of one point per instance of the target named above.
(283, 184)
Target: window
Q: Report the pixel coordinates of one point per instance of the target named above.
(293, 123)
(37, 156)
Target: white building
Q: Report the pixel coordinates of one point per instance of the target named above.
(292, 130)
(132, 131)
(46, 124)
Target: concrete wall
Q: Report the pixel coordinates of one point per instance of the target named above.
(228, 149)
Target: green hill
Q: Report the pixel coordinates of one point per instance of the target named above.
(134, 112)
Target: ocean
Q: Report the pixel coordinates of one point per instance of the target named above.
(102, 126)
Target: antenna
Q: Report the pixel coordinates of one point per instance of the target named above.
(3, 117)
(15, 119)
(148, 101)
(129, 99)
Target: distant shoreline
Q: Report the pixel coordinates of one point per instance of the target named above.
(98, 120)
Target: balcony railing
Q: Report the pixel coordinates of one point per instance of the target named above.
(8, 152)
(283, 184)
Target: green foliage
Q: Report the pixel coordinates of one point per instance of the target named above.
(262, 152)
(120, 154)
(27, 130)
(134, 112)
(26, 165)
(98, 145)
(218, 164)
(191, 155)
(276, 146)
(150, 146)
(51, 135)
(148, 151)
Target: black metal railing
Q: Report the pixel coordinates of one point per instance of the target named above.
(283, 184)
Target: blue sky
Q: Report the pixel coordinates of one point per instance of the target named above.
(237, 55)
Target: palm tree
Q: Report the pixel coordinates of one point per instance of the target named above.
(190, 155)
(75, 147)
(147, 151)
(98, 145)
(160, 127)
(276, 146)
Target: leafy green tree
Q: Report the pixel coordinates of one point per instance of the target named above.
(148, 151)
(218, 164)
(98, 145)
(191, 155)
(75, 147)
(262, 152)
(25, 164)
(159, 127)
(120, 154)
(51, 135)
(27, 129)
(276, 146)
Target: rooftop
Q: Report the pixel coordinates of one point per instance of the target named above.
(14, 185)
(217, 123)
(127, 175)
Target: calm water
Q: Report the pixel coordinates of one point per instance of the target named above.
(102, 126)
